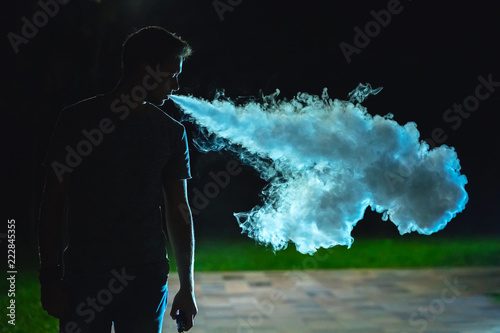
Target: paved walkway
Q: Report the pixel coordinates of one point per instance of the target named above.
(361, 300)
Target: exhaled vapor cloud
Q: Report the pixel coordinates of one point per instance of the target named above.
(326, 161)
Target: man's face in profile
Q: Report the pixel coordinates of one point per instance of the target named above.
(170, 71)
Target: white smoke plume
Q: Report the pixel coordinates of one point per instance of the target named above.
(326, 161)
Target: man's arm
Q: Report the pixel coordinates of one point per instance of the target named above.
(50, 232)
(179, 224)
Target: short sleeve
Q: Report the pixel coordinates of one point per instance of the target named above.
(179, 165)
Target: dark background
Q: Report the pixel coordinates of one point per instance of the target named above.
(428, 58)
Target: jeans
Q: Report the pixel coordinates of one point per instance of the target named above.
(133, 298)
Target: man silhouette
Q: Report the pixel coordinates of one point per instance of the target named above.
(116, 176)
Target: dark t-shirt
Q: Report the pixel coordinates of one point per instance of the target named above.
(115, 192)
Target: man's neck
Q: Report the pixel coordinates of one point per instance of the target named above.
(123, 93)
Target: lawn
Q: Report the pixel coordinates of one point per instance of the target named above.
(244, 254)
(402, 252)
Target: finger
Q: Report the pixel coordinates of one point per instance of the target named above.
(189, 323)
(174, 313)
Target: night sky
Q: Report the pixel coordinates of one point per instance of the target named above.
(429, 57)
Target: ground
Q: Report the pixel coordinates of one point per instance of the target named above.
(347, 301)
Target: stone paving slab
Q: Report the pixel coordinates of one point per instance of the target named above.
(346, 301)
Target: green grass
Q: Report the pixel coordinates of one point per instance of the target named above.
(223, 255)
(403, 252)
(30, 317)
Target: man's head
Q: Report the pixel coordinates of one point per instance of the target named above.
(155, 48)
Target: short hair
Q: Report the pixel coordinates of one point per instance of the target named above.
(152, 45)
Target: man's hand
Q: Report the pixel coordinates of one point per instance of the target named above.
(185, 303)
(54, 298)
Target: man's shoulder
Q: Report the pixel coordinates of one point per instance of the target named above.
(82, 105)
